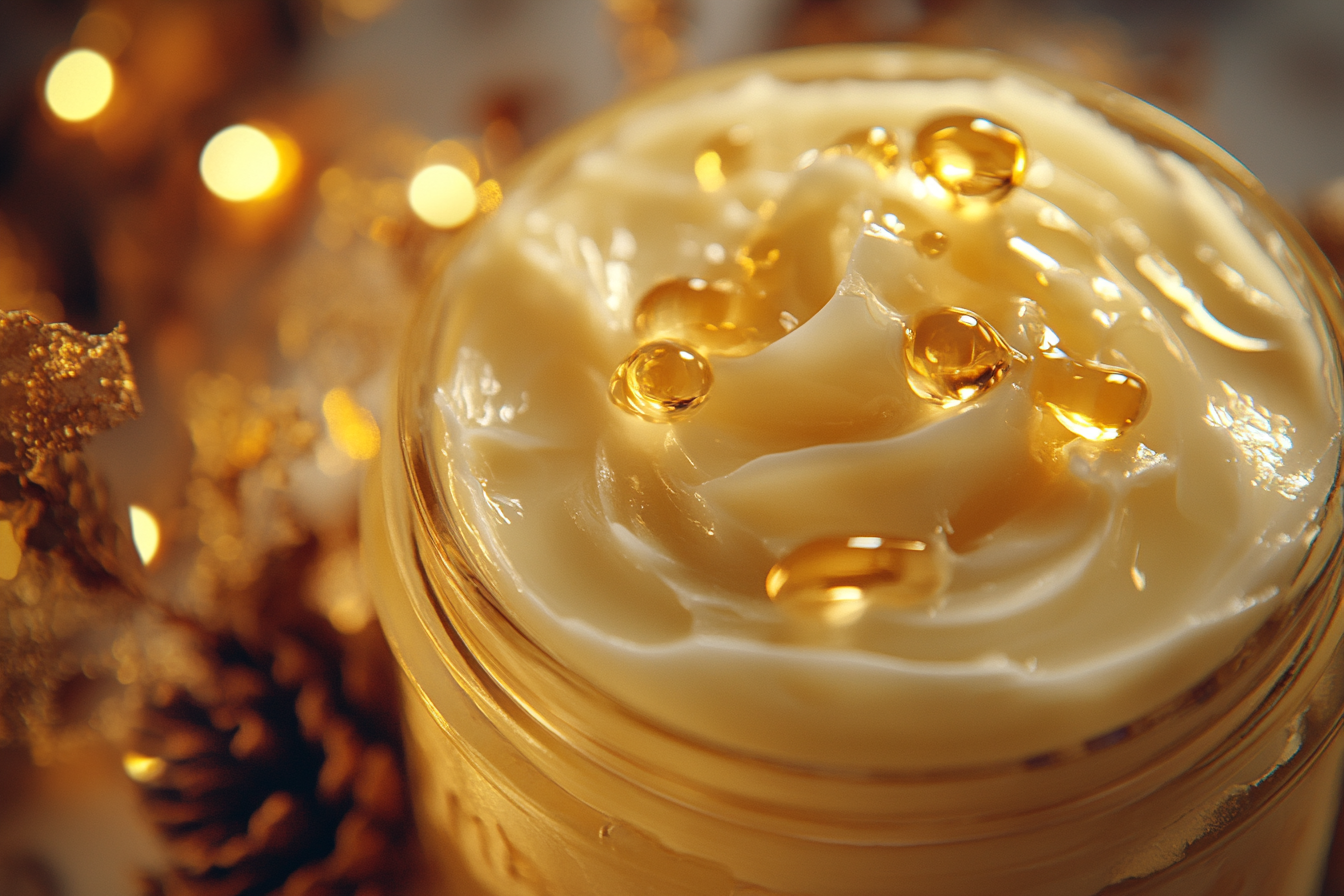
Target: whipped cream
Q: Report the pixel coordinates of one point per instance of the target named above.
(1086, 582)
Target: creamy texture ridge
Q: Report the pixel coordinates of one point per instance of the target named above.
(1084, 582)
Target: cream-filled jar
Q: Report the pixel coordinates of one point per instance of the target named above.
(871, 470)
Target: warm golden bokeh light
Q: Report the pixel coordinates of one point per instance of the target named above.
(240, 163)
(143, 769)
(442, 196)
(144, 533)
(79, 85)
(352, 427)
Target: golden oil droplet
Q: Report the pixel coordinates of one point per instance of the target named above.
(951, 356)
(971, 156)
(662, 381)
(835, 579)
(716, 318)
(722, 157)
(1092, 400)
(876, 146)
(932, 243)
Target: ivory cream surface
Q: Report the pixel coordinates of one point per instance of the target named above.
(1089, 582)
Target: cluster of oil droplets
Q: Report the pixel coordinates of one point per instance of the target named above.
(951, 356)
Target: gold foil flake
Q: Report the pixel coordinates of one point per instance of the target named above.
(1097, 402)
(716, 317)
(722, 157)
(952, 356)
(874, 145)
(662, 381)
(970, 156)
(59, 386)
(835, 579)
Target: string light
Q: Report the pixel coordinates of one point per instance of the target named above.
(79, 85)
(243, 162)
(144, 533)
(442, 196)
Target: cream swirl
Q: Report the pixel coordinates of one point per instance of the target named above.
(1086, 581)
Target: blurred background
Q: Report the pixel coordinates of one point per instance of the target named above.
(259, 189)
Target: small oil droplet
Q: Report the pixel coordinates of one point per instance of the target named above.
(931, 243)
(971, 156)
(715, 317)
(662, 381)
(722, 157)
(836, 579)
(1097, 402)
(951, 356)
(875, 145)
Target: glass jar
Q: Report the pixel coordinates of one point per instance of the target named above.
(529, 779)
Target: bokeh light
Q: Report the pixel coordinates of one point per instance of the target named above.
(143, 769)
(241, 163)
(79, 85)
(352, 427)
(442, 196)
(144, 533)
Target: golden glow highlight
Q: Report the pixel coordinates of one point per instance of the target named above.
(143, 769)
(144, 533)
(241, 163)
(10, 551)
(353, 428)
(443, 196)
(79, 85)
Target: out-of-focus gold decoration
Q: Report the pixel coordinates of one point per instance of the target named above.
(66, 576)
(245, 440)
(646, 43)
(59, 386)
(352, 427)
(79, 85)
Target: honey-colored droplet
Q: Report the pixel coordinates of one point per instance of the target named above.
(662, 381)
(722, 157)
(876, 146)
(1092, 400)
(836, 579)
(932, 243)
(715, 317)
(951, 356)
(970, 156)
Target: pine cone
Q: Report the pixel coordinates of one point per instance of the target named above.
(271, 783)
